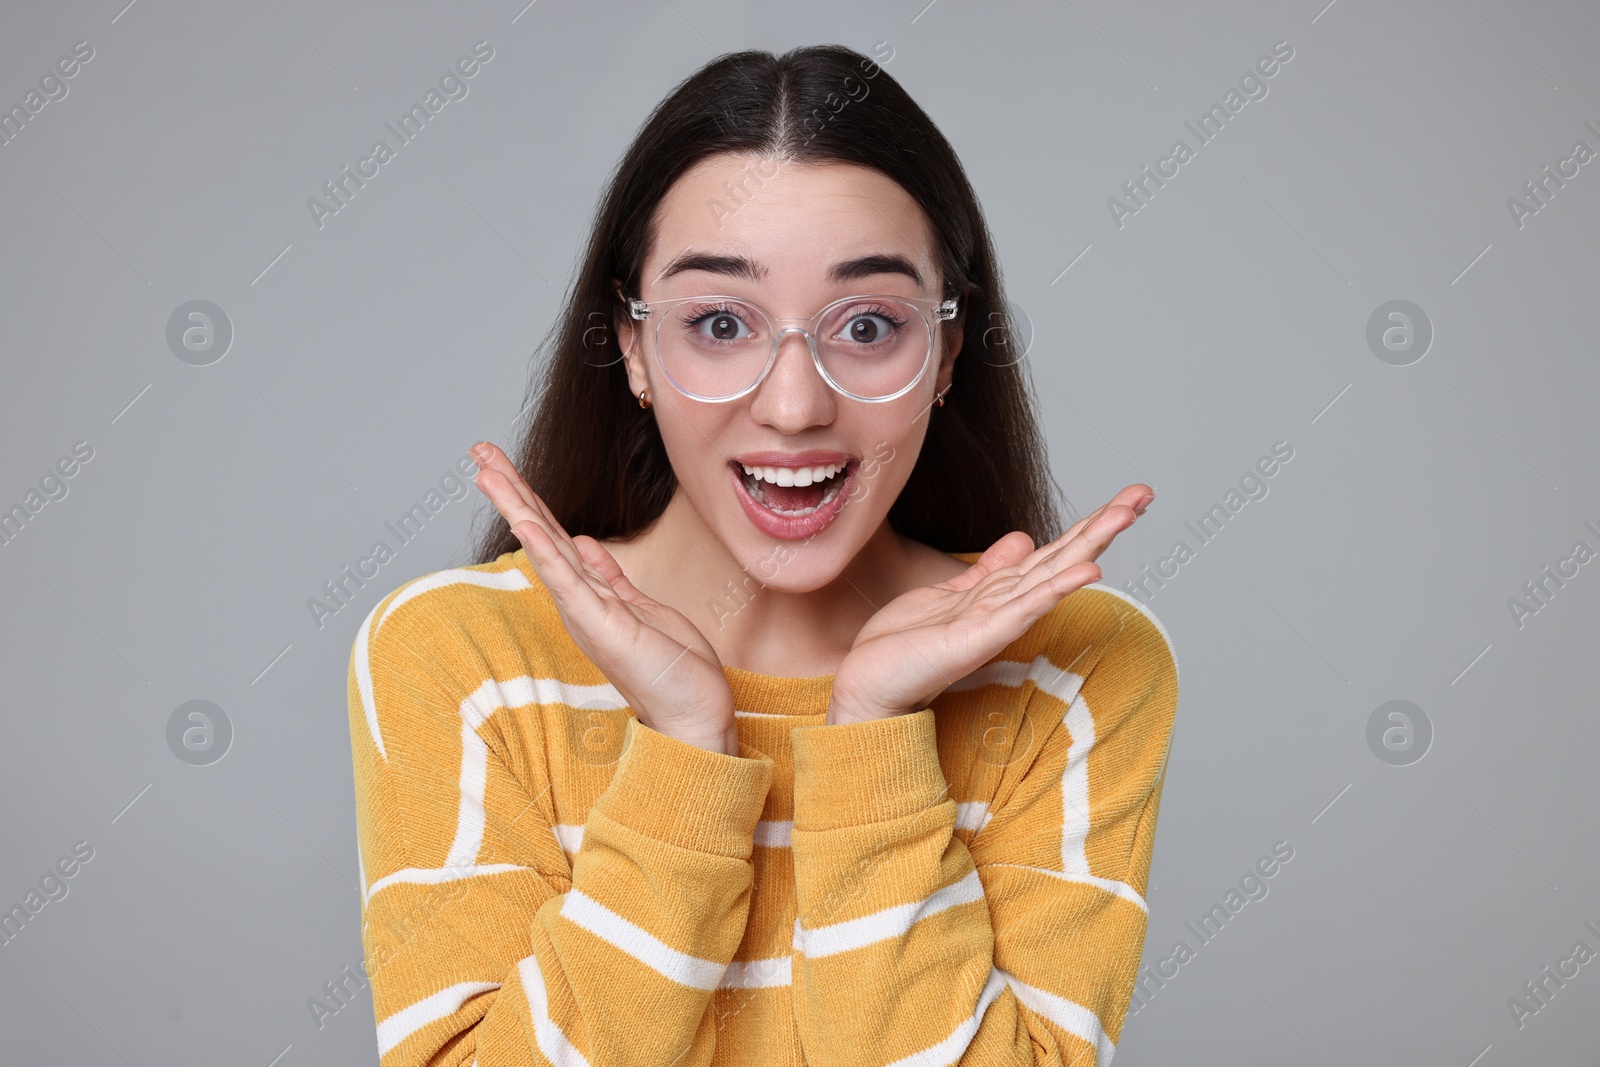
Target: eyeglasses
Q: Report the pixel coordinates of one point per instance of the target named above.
(867, 347)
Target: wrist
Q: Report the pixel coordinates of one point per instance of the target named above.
(718, 743)
(723, 742)
(842, 712)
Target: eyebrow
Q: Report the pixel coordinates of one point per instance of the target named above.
(867, 266)
(744, 267)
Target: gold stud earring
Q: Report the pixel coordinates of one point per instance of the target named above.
(644, 398)
(938, 398)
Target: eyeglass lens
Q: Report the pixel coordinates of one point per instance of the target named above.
(871, 347)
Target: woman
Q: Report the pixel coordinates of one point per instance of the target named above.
(733, 747)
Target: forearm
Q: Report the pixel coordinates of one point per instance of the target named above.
(659, 900)
(894, 949)
(522, 969)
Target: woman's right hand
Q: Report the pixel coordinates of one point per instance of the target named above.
(655, 657)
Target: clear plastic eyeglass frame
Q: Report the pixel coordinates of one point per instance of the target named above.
(939, 310)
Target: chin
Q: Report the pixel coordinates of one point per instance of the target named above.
(795, 566)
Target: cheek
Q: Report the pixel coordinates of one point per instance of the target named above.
(689, 437)
(887, 461)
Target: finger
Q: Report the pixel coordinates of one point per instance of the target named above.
(494, 458)
(1130, 496)
(1006, 552)
(595, 554)
(517, 511)
(490, 456)
(1028, 603)
(566, 582)
(1092, 540)
(1097, 533)
(513, 506)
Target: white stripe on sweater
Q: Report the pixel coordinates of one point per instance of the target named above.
(1075, 789)
(1065, 686)
(1075, 823)
(470, 814)
(769, 833)
(759, 974)
(1121, 890)
(952, 1048)
(1148, 614)
(569, 835)
(438, 875)
(363, 665)
(1058, 682)
(546, 1034)
(488, 698)
(441, 1005)
(894, 921)
(1072, 1017)
(509, 580)
(641, 944)
(972, 814)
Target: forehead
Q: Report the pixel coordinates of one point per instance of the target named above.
(794, 221)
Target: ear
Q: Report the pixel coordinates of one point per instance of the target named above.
(954, 336)
(628, 337)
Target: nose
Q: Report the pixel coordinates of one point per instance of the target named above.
(793, 395)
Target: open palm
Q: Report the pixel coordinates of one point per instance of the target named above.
(657, 659)
(923, 641)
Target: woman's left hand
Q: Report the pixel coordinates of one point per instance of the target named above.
(923, 641)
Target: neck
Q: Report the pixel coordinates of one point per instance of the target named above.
(751, 622)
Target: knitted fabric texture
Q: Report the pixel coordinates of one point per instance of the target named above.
(548, 881)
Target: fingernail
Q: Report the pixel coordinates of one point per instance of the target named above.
(478, 452)
(1144, 502)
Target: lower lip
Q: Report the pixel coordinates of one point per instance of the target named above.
(791, 527)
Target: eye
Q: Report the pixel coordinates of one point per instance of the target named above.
(870, 327)
(718, 324)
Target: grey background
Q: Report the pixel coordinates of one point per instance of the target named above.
(1228, 314)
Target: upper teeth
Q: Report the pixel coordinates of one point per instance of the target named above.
(793, 475)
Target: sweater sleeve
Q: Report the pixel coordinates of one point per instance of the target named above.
(1021, 945)
(484, 943)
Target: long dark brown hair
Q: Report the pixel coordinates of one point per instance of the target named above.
(597, 459)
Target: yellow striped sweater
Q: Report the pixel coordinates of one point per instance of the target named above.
(546, 880)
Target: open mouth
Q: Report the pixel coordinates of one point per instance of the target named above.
(794, 493)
